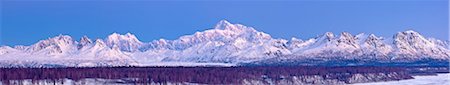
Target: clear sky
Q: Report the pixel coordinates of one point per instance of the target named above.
(25, 22)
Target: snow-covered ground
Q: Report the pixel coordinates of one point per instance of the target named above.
(440, 79)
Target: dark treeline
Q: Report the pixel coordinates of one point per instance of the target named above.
(204, 75)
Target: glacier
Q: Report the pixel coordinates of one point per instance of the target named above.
(228, 44)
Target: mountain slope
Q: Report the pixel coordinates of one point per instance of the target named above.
(226, 44)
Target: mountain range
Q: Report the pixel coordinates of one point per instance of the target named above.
(229, 44)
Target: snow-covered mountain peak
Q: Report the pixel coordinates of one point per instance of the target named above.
(115, 38)
(223, 24)
(99, 43)
(410, 32)
(296, 39)
(130, 35)
(227, 43)
(6, 49)
(372, 36)
(361, 37)
(319, 42)
(411, 43)
(127, 42)
(58, 44)
(445, 44)
(346, 36)
(62, 39)
(374, 46)
(328, 36)
(238, 28)
(373, 39)
(348, 39)
(225, 31)
(84, 41)
(410, 38)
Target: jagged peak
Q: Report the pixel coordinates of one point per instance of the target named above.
(116, 35)
(372, 36)
(83, 42)
(295, 42)
(57, 44)
(62, 37)
(328, 35)
(411, 41)
(409, 35)
(346, 35)
(225, 25)
(361, 36)
(222, 24)
(129, 34)
(442, 43)
(348, 39)
(224, 21)
(224, 29)
(116, 38)
(99, 42)
(162, 41)
(85, 39)
(411, 32)
(127, 42)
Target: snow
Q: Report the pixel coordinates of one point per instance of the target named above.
(127, 42)
(226, 43)
(185, 64)
(412, 44)
(440, 79)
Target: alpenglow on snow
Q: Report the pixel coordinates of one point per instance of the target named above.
(229, 44)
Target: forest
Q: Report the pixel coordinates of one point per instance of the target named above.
(203, 75)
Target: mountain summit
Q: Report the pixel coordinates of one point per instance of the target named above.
(229, 44)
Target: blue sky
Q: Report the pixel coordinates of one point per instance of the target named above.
(25, 22)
